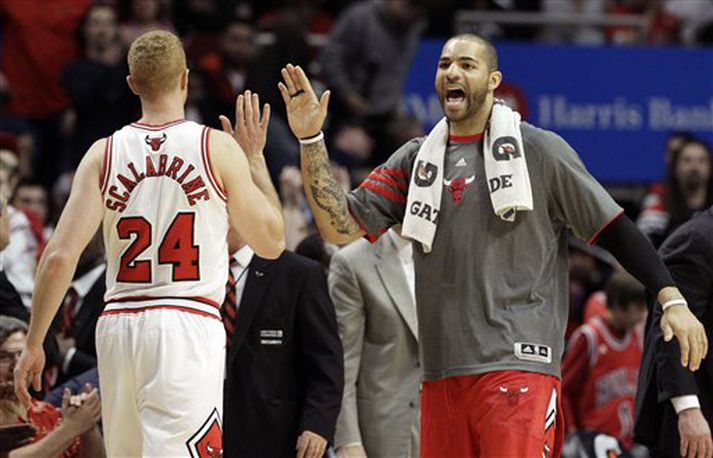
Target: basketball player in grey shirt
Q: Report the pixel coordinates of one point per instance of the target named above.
(491, 295)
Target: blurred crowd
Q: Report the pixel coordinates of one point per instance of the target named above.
(62, 86)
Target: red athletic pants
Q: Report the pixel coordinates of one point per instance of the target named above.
(499, 414)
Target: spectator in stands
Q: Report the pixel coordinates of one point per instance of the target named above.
(67, 433)
(688, 189)
(144, 16)
(39, 43)
(96, 83)
(19, 258)
(366, 61)
(31, 197)
(226, 70)
(372, 287)
(601, 366)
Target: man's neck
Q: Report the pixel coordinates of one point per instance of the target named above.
(161, 111)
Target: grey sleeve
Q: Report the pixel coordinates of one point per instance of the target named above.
(380, 201)
(575, 198)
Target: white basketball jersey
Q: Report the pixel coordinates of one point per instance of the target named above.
(166, 224)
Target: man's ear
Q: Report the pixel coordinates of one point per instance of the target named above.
(130, 82)
(184, 79)
(494, 80)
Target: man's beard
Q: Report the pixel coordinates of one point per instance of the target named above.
(473, 105)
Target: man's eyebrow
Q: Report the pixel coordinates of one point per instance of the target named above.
(448, 58)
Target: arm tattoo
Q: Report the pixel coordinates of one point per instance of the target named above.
(325, 191)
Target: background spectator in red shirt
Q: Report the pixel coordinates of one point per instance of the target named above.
(41, 45)
(66, 433)
(601, 366)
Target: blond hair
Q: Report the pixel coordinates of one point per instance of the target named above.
(156, 62)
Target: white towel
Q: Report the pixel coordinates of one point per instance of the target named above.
(505, 164)
(505, 170)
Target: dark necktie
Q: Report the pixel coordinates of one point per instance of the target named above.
(68, 306)
(229, 311)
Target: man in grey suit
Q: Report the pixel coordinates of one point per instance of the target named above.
(372, 287)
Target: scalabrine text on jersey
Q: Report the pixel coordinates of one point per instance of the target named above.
(183, 173)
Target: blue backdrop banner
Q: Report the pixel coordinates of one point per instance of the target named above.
(615, 106)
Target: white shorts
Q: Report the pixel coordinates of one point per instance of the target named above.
(161, 378)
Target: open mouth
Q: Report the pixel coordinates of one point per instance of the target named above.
(454, 96)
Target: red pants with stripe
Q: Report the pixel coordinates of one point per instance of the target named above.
(498, 414)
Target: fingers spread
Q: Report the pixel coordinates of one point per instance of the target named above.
(240, 111)
(225, 124)
(289, 81)
(265, 116)
(284, 92)
(302, 80)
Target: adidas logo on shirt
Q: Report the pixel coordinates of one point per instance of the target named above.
(461, 163)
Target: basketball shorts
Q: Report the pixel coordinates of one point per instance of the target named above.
(161, 378)
(498, 414)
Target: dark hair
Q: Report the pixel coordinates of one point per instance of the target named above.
(674, 201)
(313, 247)
(623, 290)
(490, 52)
(9, 326)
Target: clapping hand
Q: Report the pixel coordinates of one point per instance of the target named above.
(250, 130)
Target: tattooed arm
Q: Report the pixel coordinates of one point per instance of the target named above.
(326, 197)
(306, 114)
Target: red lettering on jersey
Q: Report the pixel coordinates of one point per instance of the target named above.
(150, 170)
(193, 185)
(122, 197)
(128, 184)
(193, 198)
(114, 205)
(137, 176)
(162, 159)
(188, 170)
(175, 166)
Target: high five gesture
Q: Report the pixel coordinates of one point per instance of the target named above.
(305, 113)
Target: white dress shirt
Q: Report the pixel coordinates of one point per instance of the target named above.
(240, 270)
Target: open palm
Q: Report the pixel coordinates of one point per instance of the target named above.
(305, 113)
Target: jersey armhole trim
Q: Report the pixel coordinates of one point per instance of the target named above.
(208, 165)
(106, 164)
(595, 237)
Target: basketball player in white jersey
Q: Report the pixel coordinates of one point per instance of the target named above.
(166, 192)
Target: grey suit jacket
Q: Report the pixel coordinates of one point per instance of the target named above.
(378, 326)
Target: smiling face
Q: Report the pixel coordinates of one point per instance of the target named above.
(467, 74)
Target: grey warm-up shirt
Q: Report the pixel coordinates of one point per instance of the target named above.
(492, 295)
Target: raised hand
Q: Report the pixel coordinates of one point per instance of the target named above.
(250, 130)
(305, 113)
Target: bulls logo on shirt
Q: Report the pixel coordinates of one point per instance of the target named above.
(156, 142)
(457, 187)
(207, 442)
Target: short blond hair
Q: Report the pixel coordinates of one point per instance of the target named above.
(156, 62)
